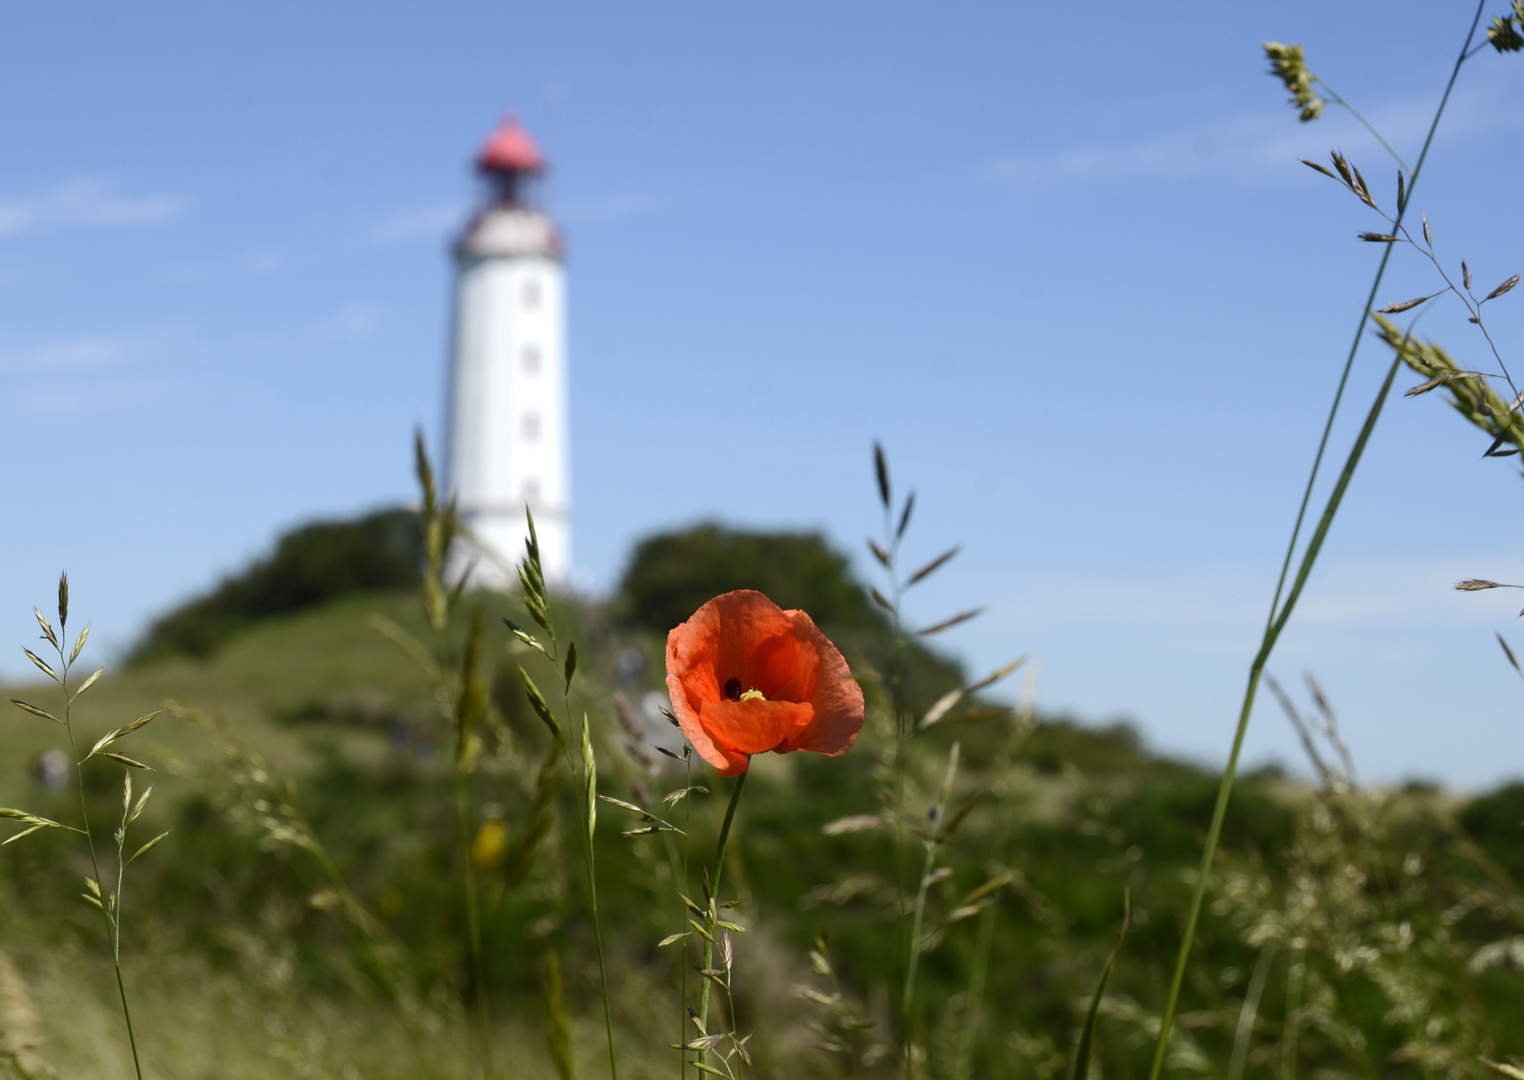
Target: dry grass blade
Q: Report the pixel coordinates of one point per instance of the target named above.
(1439, 380)
(1503, 1067)
(47, 629)
(407, 643)
(853, 823)
(79, 643)
(933, 566)
(1377, 237)
(1478, 584)
(1392, 309)
(881, 473)
(948, 624)
(131, 763)
(1509, 653)
(1501, 289)
(1466, 275)
(1319, 168)
(996, 675)
(940, 708)
(899, 531)
(34, 710)
(41, 664)
(91, 681)
(623, 805)
(589, 777)
(1364, 192)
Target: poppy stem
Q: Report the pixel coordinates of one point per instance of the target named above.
(714, 894)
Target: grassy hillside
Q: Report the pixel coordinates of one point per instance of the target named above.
(230, 922)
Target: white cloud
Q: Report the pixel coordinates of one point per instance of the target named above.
(95, 398)
(1235, 600)
(85, 202)
(83, 352)
(1270, 137)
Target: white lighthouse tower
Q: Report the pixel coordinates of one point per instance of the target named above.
(508, 425)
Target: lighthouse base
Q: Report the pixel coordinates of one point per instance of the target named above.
(489, 557)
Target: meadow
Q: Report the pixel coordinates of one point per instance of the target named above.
(402, 828)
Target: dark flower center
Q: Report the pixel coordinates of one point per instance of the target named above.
(732, 689)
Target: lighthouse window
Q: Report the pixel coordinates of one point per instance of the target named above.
(531, 294)
(531, 359)
(531, 426)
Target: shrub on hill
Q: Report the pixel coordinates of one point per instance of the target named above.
(670, 575)
(311, 564)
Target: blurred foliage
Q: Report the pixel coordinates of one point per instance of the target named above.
(311, 564)
(1374, 906)
(671, 574)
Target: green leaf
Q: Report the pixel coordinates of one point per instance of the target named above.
(24, 832)
(146, 848)
(1087, 1033)
(571, 664)
(956, 818)
(537, 701)
(526, 637)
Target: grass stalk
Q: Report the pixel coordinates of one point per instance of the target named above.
(111, 918)
(714, 899)
(1280, 612)
(473, 921)
(933, 842)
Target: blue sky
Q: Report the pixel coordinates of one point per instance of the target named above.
(1062, 261)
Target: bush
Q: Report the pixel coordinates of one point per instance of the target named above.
(310, 565)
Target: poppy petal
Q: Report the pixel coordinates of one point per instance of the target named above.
(836, 697)
(753, 727)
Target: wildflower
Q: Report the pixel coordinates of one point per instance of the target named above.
(747, 677)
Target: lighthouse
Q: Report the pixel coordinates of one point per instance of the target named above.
(507, 443)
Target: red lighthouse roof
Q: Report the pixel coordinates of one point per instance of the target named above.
(509, 149)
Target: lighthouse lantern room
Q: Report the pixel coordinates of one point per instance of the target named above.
(508, 426)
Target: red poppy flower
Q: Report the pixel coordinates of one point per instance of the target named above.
(747, 677)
